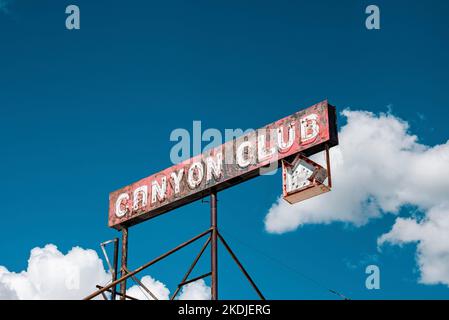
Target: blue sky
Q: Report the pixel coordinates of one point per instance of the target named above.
(85, 112)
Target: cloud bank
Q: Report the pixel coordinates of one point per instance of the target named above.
(156, 287)
(432, 237)
(53, 275)
(197, 290)
(378, 168)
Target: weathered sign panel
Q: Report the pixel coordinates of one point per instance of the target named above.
(302, 179)
(307, 131)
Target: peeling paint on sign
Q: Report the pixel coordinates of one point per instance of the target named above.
(302, 179)
(307, 131)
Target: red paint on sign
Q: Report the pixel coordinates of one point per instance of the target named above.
(307, 131)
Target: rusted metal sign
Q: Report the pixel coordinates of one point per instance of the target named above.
(307, 131)
(302, 179)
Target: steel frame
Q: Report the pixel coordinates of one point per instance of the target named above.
(213, 239)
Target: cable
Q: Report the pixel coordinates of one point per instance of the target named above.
(294, 270)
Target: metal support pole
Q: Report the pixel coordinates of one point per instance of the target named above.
(104, 296)
(213, 245)
(203, 248)
(130, 274)
(143, 286)
(115, 269)
(117, 293)
(194, 279)
(328, 165)
(124, 263)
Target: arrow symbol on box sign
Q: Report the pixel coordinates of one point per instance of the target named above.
(302, 179)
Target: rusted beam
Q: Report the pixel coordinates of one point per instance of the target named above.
(328, 165)
(214, 245)
(191, 267)
(115, 269)
(117, 293)
(143, 286)
(194, 279)
(128, 275)
(104, 296)
(124, 262)
(111, 267)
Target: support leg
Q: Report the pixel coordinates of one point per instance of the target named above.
(213, 245)
(191, 268)
(124, 264)
(328, 166)
(115, 269)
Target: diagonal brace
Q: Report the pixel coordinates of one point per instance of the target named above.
(191, 267)
(128, 275)
(241, 266)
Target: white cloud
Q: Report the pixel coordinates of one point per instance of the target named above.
(378, 168)
(53, 275)
(6, 293)
(432, 238)
(197, 290)
(156, 287)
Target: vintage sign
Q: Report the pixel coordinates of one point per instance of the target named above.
(302, 179)
(307, 132)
